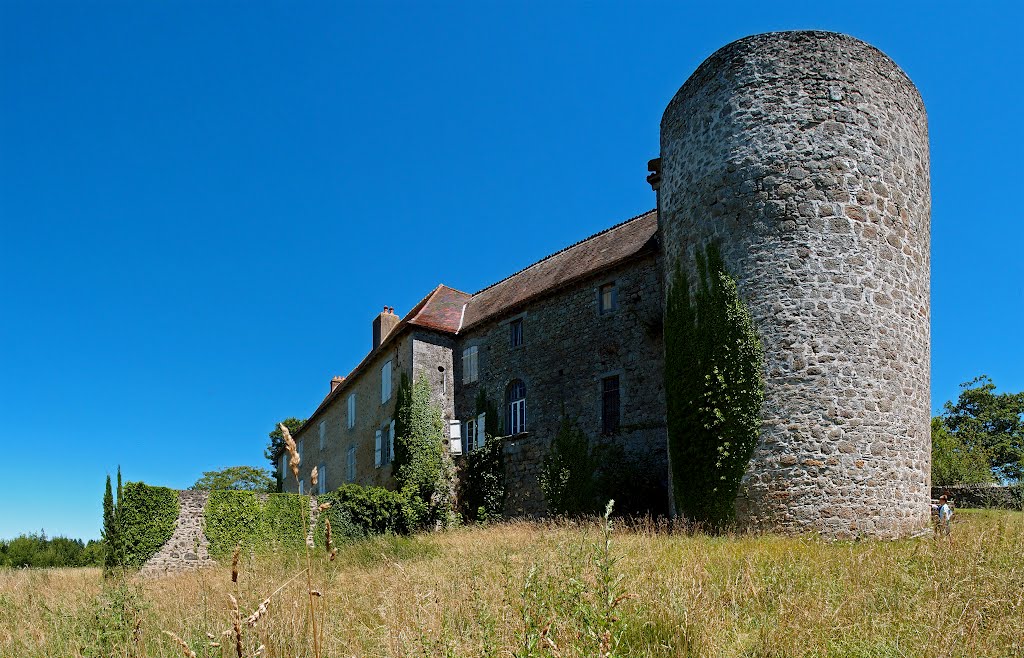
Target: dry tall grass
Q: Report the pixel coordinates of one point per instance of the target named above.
(523, 589)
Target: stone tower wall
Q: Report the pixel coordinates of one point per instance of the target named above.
(805, 156)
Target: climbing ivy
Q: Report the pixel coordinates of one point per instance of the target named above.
(259, 522)
(146, 517)
(423, 468)
(714, 386)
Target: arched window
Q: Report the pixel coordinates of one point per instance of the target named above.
(515, 399)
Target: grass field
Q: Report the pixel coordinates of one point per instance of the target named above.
(523, 589)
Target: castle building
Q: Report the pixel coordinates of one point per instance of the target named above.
(575, 335)
(804, 157)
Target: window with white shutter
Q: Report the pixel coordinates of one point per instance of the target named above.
(481, 436)
(376, 449)
(469, 434)
(321, 482)
(385, 383)
(302, 487)
(298, 449)
(351, 410)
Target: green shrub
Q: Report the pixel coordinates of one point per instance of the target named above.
(714, 388)
(567, 477)
(357, 511)
(147, 516)
(482, 482)
(259, 523)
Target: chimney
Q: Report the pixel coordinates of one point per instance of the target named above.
(383, 325)
(336, 382)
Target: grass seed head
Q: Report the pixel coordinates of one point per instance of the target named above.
(314, 477)
(185, 650)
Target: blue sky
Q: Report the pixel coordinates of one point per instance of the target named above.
(204, 204)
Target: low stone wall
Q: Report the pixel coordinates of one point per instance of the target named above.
(188, 547)
(985, 497)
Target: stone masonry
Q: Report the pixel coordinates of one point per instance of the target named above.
(186, 550)
(188, 547)
(804, 155)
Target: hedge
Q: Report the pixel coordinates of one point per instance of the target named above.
(260, 522)
(357, 511)
(147, 517)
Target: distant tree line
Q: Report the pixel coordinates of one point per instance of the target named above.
(38, 550)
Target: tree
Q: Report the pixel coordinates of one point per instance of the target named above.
(110, 530)
(275, 446)
(989, 423)
(954, 462)
(714, 387)
(238, 478)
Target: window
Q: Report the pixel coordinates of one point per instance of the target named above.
(469, 434)
(302, 487)
(470, 371)
(610, 405)
(385, 383)
(298, 449)
(516, 332)
(384, 445)
(284, 465)
(608, 298)
(323, 433)
(321, 482)
(350, 464)
(351, 410)
(515, 398)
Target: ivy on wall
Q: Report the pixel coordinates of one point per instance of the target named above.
(714, 387)
(423, 467)
(146, 518)
(258, 522)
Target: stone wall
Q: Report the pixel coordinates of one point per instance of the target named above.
(186, 550)
(371, 415)
(568, 347)
(983, 496)
(805, 156)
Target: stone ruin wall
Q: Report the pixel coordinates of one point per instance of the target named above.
(188, 548)
(805, 156)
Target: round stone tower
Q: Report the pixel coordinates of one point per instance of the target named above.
(804, 155)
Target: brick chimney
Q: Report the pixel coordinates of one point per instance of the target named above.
(383, 325)
(336, 382)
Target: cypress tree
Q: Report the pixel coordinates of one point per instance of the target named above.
(109, 529)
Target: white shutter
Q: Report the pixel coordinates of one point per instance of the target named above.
(391, 439)
(480, 436)
(376, 454)
(455, 437)
(323, 433)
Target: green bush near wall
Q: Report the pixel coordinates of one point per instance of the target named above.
(259, 523)
(357, 511)
(147, 518)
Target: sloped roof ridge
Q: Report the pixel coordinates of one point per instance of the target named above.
(564, 249)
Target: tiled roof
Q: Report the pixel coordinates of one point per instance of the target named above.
(440, 310)
(449, 310)
(571, 264)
